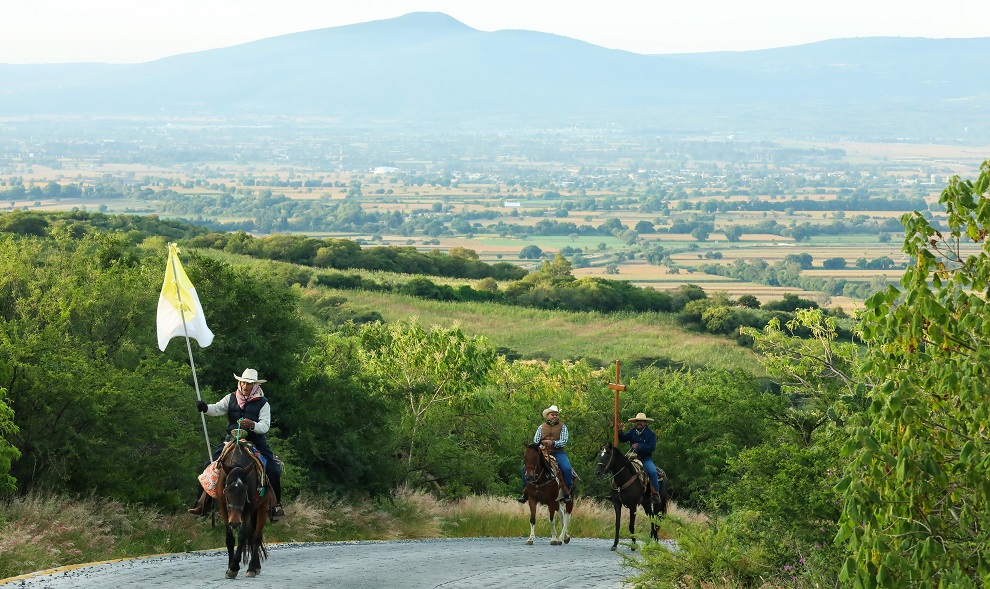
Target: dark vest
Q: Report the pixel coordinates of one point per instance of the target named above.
(251, 411)
(551, 432)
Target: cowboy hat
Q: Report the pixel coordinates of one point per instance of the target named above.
(549, 409)
(640, 417)
(250, 375)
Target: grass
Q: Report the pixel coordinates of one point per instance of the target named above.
(45, 532)
(561, 335)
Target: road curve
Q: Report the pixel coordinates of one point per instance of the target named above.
(451, 564)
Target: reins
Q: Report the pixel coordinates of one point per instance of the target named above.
(612, 475)
(545, 470)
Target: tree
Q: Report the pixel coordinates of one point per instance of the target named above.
(423, 370)
(916, 489)
(700, 233)
(644, 227)
(8, 453)
(531, 252)
(834, 263)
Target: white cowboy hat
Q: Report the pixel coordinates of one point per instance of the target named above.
(250, 375)
(549, 409)
(640, 417)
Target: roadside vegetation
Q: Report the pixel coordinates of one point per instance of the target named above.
(47, 532)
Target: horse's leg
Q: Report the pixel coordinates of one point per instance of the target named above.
(565, 518)
(632, 525)
(254, 542)
(532, 521)
(552, 507)
(618, 520)
(233, 556)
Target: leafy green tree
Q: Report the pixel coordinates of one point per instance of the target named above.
(94, 410)
(917, 487)
(423, 371)
(703, 420)
(338, 429)
(531, 252)
(8, 453)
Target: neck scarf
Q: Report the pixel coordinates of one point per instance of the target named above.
(244, 398)
(554, 422)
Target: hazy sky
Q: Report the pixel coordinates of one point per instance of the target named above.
(129, 31)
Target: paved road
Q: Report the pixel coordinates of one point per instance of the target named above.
(472, 563)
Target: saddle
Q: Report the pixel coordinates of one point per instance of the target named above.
(212, 473)
(555, 467)
(641, 474)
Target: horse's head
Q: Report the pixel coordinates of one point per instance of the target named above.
(240, 480)
(607, 460)
(533, 460)
(235, 493)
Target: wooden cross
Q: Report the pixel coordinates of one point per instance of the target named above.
(615, 386)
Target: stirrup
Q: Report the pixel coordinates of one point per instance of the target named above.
(522, 498)
(567, 499)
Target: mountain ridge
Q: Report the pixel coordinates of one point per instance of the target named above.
(431, 67)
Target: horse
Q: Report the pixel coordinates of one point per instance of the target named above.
(543, 487)
(629, 491)
(244, 505)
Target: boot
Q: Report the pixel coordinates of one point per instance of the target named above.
(276, 513)
(202, 506)
(522, 498)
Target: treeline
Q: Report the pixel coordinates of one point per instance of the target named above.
(346, 253)
(787, 272)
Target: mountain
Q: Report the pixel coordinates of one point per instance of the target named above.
(431, 68)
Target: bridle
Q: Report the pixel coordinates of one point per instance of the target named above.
(545, 470)
(611, 475)
(238, 484)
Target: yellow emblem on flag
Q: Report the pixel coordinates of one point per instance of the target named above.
(179, 309)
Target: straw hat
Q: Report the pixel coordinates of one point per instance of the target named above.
(641, 417)
(250, 375)
(549, 409)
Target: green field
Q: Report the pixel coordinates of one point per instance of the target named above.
(533, 333)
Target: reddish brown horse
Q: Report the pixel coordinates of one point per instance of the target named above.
(244, 505)
(629, 491)
(543, 487)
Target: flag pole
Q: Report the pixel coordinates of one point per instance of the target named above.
(182, 314)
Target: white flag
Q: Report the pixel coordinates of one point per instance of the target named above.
(179, 303)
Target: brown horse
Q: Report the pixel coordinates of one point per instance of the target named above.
(244, 505)
(629, 491)
(543, 487)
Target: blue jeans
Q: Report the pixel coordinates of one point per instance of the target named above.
(565, 468)
(651, 469)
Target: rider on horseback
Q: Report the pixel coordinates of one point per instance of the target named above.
(643, 441)
(552, 434)
(247, 409)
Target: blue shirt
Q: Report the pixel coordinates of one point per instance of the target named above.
(645, 440)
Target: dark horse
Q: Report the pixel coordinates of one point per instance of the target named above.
(243, 507)
(543, 487)
(629, 491)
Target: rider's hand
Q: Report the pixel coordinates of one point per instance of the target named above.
(246, 423)
(634, 446)
(548, 443)
(201, 406)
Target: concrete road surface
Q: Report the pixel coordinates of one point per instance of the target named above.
(452, 564)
